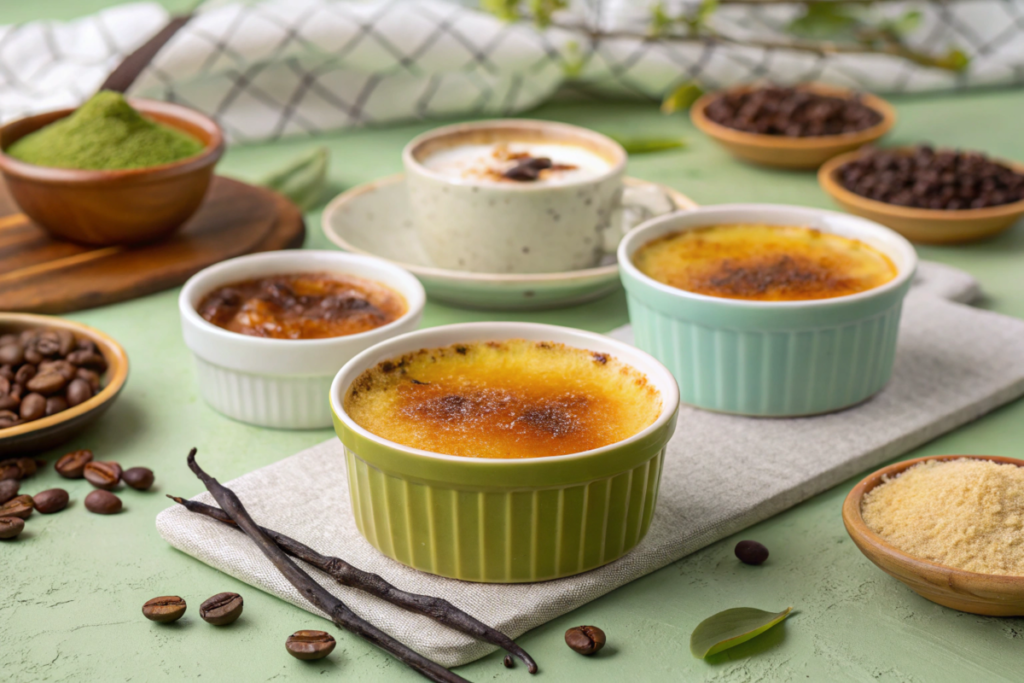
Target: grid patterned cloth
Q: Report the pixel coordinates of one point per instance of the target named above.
(722, 473)
(273, 68)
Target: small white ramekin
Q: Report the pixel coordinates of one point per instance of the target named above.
(283, 383)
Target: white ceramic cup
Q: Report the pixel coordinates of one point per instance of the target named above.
(513, 227)
(283, 383)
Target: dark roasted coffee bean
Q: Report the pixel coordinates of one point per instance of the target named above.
(27, 466)
(585, 639)
(87, 345)
(24, 374)
(7, 372)
(89, 376)
(72, 465)
(310, 644)
(508, 662)
(88, 359)
(12, 353)
(19, 506)
(5, 386)
(56, 404)
(32, 407)
(62, 367)
(222, 609)
(102, 503)
(79, 391)
(50, 501)
(8, 338)
(164, 609)
(10, 527)
(9, 419)
(140, 478)
(103, 475)
(8, 489)
(33, 356)
(10, 403)
(792, 112)
(67, 342)
(9, 470)
(751, 552)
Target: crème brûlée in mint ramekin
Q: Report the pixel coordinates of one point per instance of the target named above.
(767, 310)
(504, 452)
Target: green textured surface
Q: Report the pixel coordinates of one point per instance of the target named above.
(74, 583)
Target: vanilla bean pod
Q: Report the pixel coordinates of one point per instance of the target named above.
(339, 613)
(438, 609)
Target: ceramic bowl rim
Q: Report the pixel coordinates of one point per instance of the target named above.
(335, 206)
(852, 513)
(827, 179)
(210, 153)
(413, 164)
(666, 384)
(637, 238)
(196, 287)
(818, 142)
(117, 372)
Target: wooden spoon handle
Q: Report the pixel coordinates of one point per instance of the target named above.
(121, 78)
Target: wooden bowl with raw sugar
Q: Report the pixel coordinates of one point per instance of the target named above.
(781, 151)
(118, 207)
(988, 594)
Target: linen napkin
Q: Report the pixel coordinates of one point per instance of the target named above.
(722, 473)
(269, 68)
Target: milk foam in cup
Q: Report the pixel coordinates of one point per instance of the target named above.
(514, 196)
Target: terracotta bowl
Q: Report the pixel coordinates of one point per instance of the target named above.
(928, 226)
(51, 431)
(780, 151)
(991, 595)
(128, 206)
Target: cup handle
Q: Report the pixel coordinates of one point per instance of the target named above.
(639, 203)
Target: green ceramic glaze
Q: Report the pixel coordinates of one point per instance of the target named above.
(770, 359)
(504, 521)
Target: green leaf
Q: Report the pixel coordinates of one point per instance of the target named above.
(648, 145)
(506, 10)
(574, 61)
(660, 20)
(827, 21)
(704, 12)
(543, 9)
(681, 97)
(954, 60)
(904, 25)
(730, 628)
(303, 179)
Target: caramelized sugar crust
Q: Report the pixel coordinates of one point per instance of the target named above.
(764, 263)
(302, 306)
(507, 399)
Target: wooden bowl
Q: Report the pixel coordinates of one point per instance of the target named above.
(127, 206)
(51, 431)
(988, 594)
(780, 151)
(928, 226)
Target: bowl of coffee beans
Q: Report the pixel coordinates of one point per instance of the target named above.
(56, 377)
(929, 195)
(800, 126)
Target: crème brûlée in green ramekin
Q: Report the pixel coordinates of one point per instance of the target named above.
(504, 452)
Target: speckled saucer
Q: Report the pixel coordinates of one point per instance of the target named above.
(374, 219)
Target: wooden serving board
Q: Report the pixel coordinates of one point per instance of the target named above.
(40, 274)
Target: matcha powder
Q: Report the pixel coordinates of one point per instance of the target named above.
(105, 133)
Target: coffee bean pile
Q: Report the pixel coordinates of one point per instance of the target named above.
(924, 178)
(791, 112)
(105, 476)
(43, 372)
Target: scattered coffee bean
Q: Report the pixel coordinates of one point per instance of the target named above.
(528, 169)
(88, 359)
(10, 527)
(89, 376)
(9, 403)
(164, 609)
(72, 465)
(140, 478)
(8, 418)
(791, 112)
(9, 470)
(8, 489)
(222, 609)
(56, 404)
(102, 503)
(24, 374)
(79, 391)
(310, 644)
(103, 475)
(19, 506)
(585, 639)
(751, 552)
(46, 383)
(27, 467)
(924, 178)
(508, 662)
(50, 501)
(33, 407)
(12, 353)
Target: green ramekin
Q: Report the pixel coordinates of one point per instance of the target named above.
(769, 358)
(504, 521)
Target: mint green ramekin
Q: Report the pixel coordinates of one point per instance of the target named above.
(769, 359)
(504, 521)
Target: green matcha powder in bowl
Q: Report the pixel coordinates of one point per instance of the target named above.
(105, 133)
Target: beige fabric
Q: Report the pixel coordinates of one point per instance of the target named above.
(722, 474)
